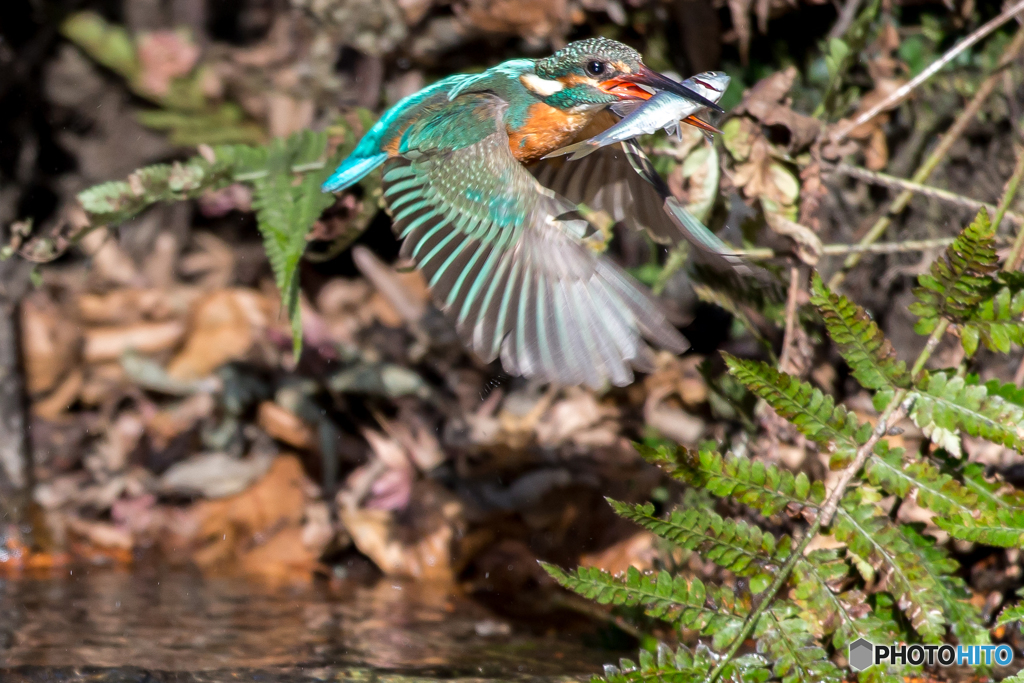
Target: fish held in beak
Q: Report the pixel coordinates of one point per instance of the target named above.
(652, 79)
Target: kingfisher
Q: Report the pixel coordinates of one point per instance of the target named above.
(508, 258)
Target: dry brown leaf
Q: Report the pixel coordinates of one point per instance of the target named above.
(284, 558)
(812, 190)
(342, 296)
(178, 418)
(876, 153)
(678, 376)
(870, 133)
(101, 534)
(110, 264)
(103, 382)
(530, 19)
(284, 425)
(223, 530)
(130, 305)
(570, 417)
(111, 451)
(50, 344)
(418, 439)
(110, 343)
(213, 261)
(384, 483)
(160, 264)
(664, 413)
(339, 303)
(386, 307)
(61, 398)
(416, 544)
(808, 244)
(637, 551)
(223, 326)
(767, 102)
(413, 11)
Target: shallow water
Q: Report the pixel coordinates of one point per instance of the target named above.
(106, 625)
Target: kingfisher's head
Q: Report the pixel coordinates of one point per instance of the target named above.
(597, 72)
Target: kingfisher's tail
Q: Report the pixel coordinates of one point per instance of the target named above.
(351, 171)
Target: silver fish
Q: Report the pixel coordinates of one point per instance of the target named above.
(664, 110)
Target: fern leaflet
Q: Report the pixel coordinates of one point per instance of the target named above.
(869, 354)
(682, 666)
(870, 534)
(715, 612)
(961, 280)
(945, 405)
(286, 210)
(813, 413)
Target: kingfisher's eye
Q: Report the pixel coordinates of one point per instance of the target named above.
(595, 67)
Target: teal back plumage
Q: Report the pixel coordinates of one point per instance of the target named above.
(370, 153)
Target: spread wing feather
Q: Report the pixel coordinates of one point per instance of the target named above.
(621, 180)
(504, 261)
(605, 181)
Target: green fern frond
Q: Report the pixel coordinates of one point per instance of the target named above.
(286, 210)
(1013, 612)
(869, 354)
(944, 406)
(992, 495)
(812, 412)
(115, 202)
(936, 491)
(766, 488)
(963, 617)
(711, 611)
(870, 534)
(846, 616)
(1003, 528)
(796, 656)
(995, 322)
(682, 666)
(742, 548)
(959, 281)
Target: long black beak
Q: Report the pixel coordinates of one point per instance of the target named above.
(654, 79)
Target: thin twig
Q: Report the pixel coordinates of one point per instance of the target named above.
(766, 254)
(1013, 260)
(900, 93)
(892, 182)
(846, 18)
(934, 159)
(787, 338)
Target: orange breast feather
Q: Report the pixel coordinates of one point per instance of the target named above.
(546, 129)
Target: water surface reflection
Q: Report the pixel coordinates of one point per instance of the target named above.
(178, 622)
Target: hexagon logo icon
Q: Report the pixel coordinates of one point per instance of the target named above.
(861, 654)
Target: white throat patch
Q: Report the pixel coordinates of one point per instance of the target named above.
(540, 86)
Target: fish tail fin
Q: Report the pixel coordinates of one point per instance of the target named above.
(578, 151)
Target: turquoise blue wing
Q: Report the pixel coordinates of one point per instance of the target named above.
(506, 263)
